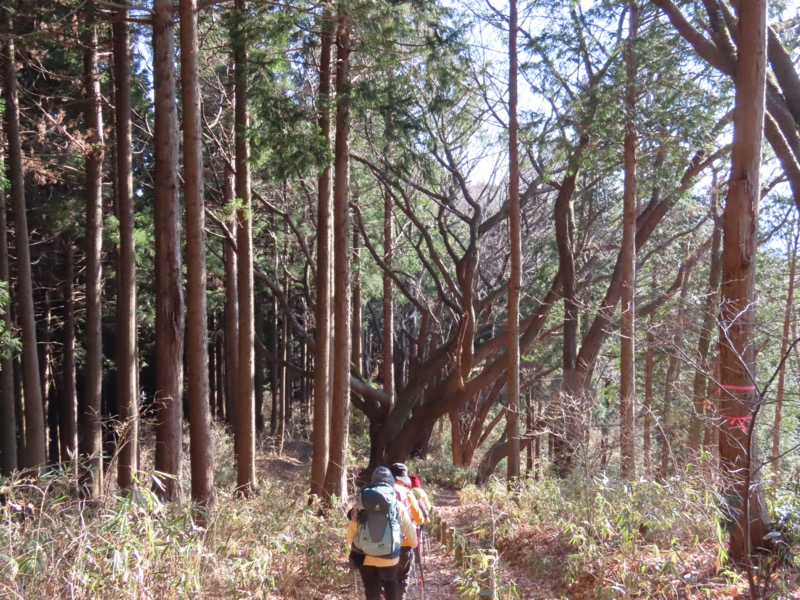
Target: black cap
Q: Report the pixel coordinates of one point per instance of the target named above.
(382, 475)
(400, 472)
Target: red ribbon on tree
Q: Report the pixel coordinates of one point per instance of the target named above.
(740, 422)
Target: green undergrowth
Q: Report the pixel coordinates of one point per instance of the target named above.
(618, 539)
(52, 545)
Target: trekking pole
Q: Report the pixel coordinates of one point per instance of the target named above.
(421, 573)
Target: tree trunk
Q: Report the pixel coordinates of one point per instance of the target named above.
(387, 369)
(456, 444)
(245, 405)
(699, 386)
(322, 349)
(283, 375)
(261, 364)
(515, 241)
(529, 408)
(91, 437)
(627, 384)
(34, 411)
(605, 442)
(219, 362)
(739, 402)
(787, 321)
(8, 416)
(565, 441)
(212, 366)
(50, 391)
(68, 403)
(168, 289)
(335, 476)
(231, 333)
(647, 409)
(356, 335)
(19, 406)
(126, 359)
(196, 310)
(274, 372)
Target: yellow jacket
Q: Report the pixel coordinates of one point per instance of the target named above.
(408, 500)
(407, 528)
(424, 501)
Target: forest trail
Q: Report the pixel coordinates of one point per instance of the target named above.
(439, 572)
(473, 520)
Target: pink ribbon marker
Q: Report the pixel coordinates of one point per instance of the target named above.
(738, 388)
(740, 422)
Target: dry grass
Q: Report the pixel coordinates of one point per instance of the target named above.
(52, 545)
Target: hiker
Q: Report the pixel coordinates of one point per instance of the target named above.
(379, 523)
(422, 497)
(402, 484)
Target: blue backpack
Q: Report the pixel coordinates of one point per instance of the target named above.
(378, 532)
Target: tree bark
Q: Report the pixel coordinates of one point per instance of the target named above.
(231, 333)
(787, 321)
(356, 335)
(627, 384)
(34, 455)
(388, 306)
(8, 417)
(126, 359)
(566, 439)
(739, 400)
(245, 405)
(261, 364)
(699, 419)
(647, 424)
(283, 374)
(671, 382)
(91, 438)
(515, 241)
(274, 372)
(335, 477)
(169, 291)
(196, 310)
(322, 349)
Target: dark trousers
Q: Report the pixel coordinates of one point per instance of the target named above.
(403, 570)
(380, 578)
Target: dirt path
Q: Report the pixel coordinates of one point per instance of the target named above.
(439, 571)
(476, 521)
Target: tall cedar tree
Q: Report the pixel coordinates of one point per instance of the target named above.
(627, 385)
(322, 349)
(231, 306)
(68, 395)
(34, 454)
(388, 306)
(91, 437)
(126, 359)
(701, 375)
(168, 290)
(513, 462)
(340, 399)
(787, 321)
(245, 404)
(737, 313)
(8, 416)
(196, 313)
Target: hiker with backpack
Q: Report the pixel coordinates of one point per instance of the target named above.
(402, 485)
(422, 498)
(379, 524)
